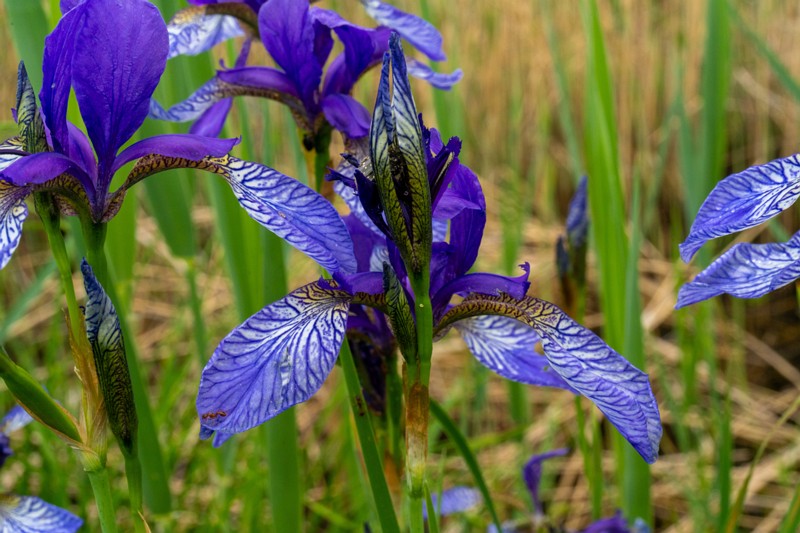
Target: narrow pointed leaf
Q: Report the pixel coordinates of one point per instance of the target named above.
(508, 348)
(591, 367)
(400, 314)
(744, 200)
(277, 358)
(28, 514)
(745, 271)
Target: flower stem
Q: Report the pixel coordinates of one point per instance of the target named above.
(51, 218)
(102, 495)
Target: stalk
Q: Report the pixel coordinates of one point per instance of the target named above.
(102, 494)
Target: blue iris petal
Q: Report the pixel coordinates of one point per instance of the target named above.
(577, 215)
(746, 271)
(453, 500)
(508, 347)
(13, 212)
(532, 474)
(744, 200)
(193, 32)
(28, 514)
(419, 32)
(277, 358)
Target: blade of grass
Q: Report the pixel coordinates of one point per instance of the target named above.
(461, 444)
(29, 27)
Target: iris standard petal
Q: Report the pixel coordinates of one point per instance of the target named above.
(59, 49)
(28, 514)
(287, 31)
(346, 114)
(183, 145)
(453, 500)
(745, 271)
(419, 32)
(13, 212)
(80, 151)
(277, 358)
(591, 367)
(532, 474)
(508, 348)
(120, 54)
(440, 80)
(192, 32)
(744, 200)
(466, 228)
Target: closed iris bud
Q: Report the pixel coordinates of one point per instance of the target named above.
(108, 348)
(399, 163)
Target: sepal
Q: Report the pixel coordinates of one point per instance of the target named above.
(745, 271)
(192, 31)
(108, 347)
(591, 367)
(28, 514)
(277, 358)
(744, 200)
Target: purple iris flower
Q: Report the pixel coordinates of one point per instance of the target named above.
(112, 54)
(281, 355)
(29, 513)
(738, 202)
(298, 38)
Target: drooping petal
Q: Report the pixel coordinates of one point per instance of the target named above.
(453, 500)
(591, 367)
(13, 212)
(744, 200)
(120, 55)
(482, 283)
(39, 168)
(532, 474)
(192, 31)
(440, 80)
(210, 123)
(183, 145)
(209, 94)
(745, 271)
(419, 32)
(288, 34)
(346, 114)
(277, 358)
(508, 348)
(28, 514)
(291, 210)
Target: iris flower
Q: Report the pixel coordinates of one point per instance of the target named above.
(112, 54)
(298, 38)
(738, 202)
(29, 513)
(281, 355)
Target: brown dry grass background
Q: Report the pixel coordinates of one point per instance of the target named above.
(511, 130)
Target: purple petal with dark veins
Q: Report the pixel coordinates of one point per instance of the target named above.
(346, 114)
(508, 348)
(744, 200)
(277, 358)
(482, 283)
(419, 32)
(28, 514)
(453, 500)
(184, 145)
(209, 94)
(294, 212)
(288, 34)
(38, 168)
(120, 55)
(210, 123)
(192, 32)
(745, 271)
(59, 49)
(619, 389)
(13, 212)
(440, 80)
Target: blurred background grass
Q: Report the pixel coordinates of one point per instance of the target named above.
(723, 373)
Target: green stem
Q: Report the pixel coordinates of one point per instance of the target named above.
(133, 471)
(382, 500)
(197, 311)
(102, 495)
(152, 472)
(51, 218)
